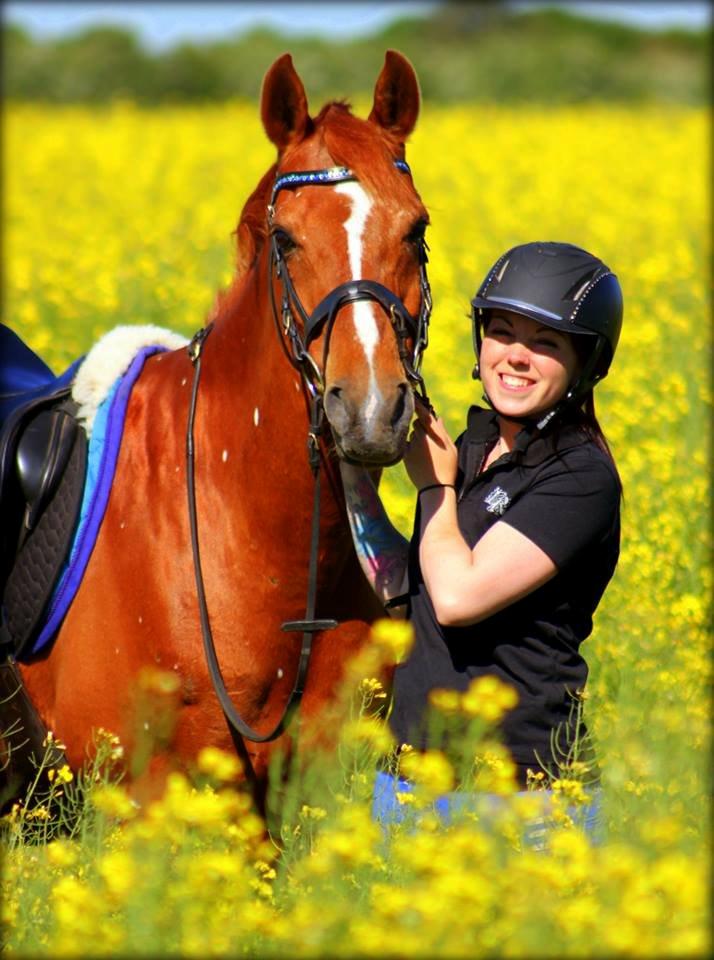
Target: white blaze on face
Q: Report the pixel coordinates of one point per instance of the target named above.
(354, 226)
(363, 311)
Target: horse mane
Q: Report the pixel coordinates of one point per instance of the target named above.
(252, 228)
(366, 148)
(362, 146)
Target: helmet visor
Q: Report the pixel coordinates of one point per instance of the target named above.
(540, 314)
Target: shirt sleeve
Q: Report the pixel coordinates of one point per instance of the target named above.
(572, 506)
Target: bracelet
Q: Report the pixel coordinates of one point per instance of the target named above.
(436, 486)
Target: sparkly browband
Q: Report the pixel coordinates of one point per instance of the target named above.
(303, 178)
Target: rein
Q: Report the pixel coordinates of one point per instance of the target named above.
(325, 313)
(308, 626)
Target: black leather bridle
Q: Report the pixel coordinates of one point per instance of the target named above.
(405, 325)
(295, 342)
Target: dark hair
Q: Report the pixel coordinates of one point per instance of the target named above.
(584, 413)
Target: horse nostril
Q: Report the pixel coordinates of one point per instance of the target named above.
(336, 409)
(334, 398)
(400, 405)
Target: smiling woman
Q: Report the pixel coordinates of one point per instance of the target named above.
(525, 367)
(517, 525)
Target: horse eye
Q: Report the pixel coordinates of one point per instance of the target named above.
(417, 233)
(285, 242)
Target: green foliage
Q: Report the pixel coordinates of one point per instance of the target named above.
(476, 52)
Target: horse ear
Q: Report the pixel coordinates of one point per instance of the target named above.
(396, 96)
(283, 104)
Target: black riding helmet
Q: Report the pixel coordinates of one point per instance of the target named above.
(561, 286)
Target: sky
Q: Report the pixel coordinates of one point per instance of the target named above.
(161, 25)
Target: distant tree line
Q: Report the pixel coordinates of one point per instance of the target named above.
(479, 51)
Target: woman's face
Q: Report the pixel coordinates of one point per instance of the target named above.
(525, 367)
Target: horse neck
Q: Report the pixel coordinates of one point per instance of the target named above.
(253, 395)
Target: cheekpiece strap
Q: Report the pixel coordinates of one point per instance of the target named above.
(305, 178)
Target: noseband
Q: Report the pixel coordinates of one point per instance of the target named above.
(405, 326)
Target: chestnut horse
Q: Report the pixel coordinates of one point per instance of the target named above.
(300, 237)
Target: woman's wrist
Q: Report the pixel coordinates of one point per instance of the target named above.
(435, 486)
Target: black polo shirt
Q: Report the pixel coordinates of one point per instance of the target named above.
(563, 493)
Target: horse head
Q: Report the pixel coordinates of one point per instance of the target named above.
(344, 236)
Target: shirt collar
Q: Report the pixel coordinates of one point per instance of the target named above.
(482, 427)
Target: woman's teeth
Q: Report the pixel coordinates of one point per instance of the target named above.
(514, 381)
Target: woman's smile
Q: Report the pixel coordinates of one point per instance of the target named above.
(511, 382)
(526, 367)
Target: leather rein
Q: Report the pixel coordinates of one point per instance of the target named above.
(295, 344)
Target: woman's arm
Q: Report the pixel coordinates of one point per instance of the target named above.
(465, 585)
(382, 551)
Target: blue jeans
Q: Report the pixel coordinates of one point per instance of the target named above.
(387, 809)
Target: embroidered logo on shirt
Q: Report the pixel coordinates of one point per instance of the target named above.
(497, 501)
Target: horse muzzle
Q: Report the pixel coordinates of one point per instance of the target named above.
(369, 430)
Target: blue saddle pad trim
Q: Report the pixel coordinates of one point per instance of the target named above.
(103, 453)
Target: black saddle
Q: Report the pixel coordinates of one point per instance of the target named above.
(43, 454)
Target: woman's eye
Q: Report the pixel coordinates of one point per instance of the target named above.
(546, 342)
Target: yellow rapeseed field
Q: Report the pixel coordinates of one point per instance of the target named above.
(123, 215)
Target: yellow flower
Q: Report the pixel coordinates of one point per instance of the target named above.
(108, 743)
(494, 769)
(64, 774)
(370, 731)
(118, 870)
(312, 813)
(464, 890)
(75, 906)
(405, 797)
(61, 853)
(371, 687)
(571, 790)
(448, 701)
(431, 771)
(219, 764)
(113, 801)
(488, 698)
(394, 637)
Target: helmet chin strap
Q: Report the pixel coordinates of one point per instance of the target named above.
(524, 421)
(529, 422)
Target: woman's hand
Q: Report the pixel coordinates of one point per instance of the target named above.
(431, 455)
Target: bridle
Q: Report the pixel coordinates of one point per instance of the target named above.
(295, 342)
(405, 325)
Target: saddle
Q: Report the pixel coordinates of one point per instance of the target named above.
(43, 457)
